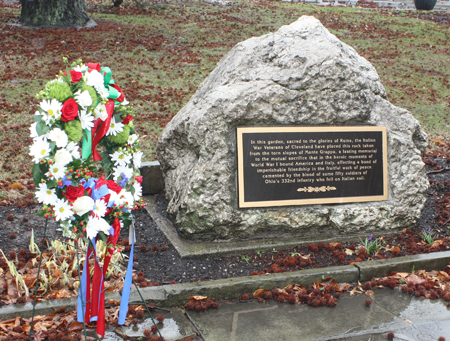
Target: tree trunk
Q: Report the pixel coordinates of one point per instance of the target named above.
(59, 13)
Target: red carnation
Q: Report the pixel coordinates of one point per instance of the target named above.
(73, 193)
(69, 110)
(138, 179)
(75, 75)
(113, 186)
(127, 119)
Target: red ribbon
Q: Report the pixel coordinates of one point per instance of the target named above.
(101, 128)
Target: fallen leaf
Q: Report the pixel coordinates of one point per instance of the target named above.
(370, 293)
(349, 252)
(16, 185)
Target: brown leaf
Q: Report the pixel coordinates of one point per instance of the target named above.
(370, 293)
(343, 286)
(75, 326)
(16, 185)
(60, 310)
(349, 252)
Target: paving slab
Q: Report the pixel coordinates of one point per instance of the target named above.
(407, 317)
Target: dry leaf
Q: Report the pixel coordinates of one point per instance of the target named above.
(16, 185)
(370, 293)
(349, 252)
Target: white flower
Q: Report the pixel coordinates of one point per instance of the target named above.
(87, 120)
(96, 225)
(52, 110)
(128, 172)
(56, 171)
(92, 227)
(83, 205)
(126, 198)
(115, 198)
(39, 149)
(74, 150)
(33, 131)
(137, 191)
(84, 98)
(81, 68)
(59, 137)
(63, 157)
(100, 208)
(62, 210)
(124, 102)
(137, 159)
(95, 79)
(46, 195)
(132, 139)
(114, 128)
(100, 112)
(120, 158)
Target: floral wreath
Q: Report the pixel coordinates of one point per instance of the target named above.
(89, 193)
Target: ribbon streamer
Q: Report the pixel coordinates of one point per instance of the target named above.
(128, 280)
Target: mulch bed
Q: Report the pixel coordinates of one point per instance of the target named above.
(157, 262)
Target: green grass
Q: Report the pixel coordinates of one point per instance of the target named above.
(159, 54)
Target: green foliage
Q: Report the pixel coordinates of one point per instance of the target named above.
(427, 237)
(371, 245)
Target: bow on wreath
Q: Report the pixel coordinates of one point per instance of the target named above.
(92, 138)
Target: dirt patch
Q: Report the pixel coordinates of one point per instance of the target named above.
(159, 262)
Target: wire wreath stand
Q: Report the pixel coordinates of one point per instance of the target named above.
(80, 293)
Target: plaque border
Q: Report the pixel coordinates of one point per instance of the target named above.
(299, 202)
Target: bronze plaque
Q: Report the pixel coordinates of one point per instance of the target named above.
(282, 166)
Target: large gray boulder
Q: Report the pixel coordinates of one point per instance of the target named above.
(301, 75)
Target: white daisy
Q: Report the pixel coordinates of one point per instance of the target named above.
(124, 102)
(74, 150)
(132, 139)
(137, 191)
(115, 198)
(40, 149)
(120, 158)
(114, 128)
(33, 131)
(63, 157)
(100, 112)
(59, 137)
(137, 159)
(46, 195)
(52, 110)
(86, 119)
(99, 208)
(62, 210)
(128, 172)
(84, 98)
(57, 171)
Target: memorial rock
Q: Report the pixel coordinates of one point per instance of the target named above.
(300, 77)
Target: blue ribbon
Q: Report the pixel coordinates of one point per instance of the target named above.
(81, 308)
(127, 284)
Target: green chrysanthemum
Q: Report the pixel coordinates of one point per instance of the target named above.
(122, 137)
(59, 90)
(73, 130)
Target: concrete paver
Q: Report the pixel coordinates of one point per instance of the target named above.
(391, 311)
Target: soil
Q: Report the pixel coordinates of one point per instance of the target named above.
(156, 258)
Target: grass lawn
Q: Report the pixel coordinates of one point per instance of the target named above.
(160, 53)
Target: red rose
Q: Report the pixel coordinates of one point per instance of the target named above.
(73, 193)
(69, 110)
(113, 186)
(127, 119)
(75, 75)
(138, 179)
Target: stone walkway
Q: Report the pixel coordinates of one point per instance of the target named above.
(391, 310)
